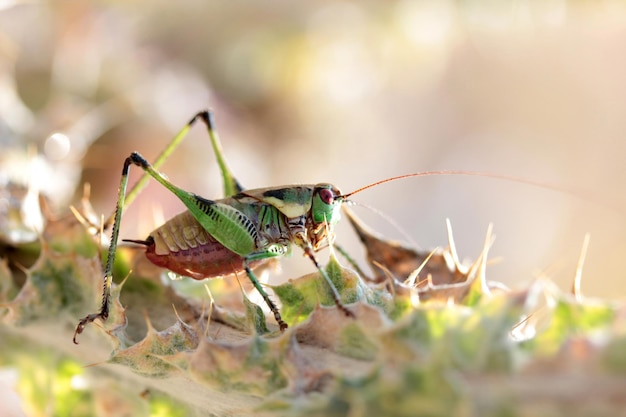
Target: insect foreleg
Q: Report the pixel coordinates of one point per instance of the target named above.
(301, 240)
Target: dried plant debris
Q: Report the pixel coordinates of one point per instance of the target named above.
(429, 334)
(435, 275)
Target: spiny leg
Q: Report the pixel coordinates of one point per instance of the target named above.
(230, 183)
(103, 314)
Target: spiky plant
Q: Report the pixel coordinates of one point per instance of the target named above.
(431, 337)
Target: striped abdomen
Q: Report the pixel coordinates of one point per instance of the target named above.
(184, 247)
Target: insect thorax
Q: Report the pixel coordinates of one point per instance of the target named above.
(274, 226)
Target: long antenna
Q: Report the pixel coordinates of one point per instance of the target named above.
(535, 183)
(466, 173)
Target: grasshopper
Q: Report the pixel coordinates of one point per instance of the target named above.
(219, 237)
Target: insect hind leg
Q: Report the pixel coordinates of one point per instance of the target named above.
(230, 184)
(103, 314)
(134, 159)
(231, 187)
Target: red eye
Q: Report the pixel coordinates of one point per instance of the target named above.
(326, 195)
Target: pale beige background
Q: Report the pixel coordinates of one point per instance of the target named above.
(346, 92)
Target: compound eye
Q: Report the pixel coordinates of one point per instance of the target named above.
(327, 196)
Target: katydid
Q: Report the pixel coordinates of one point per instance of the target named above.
(219, 237)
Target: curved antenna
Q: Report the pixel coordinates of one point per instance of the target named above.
(585, 195)
(521, 180)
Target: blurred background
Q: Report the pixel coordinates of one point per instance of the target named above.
(342, 92)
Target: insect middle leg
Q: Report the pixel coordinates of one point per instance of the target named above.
(273, 250)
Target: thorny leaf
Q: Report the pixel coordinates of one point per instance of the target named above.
(413, 342)
(255, 316)
(148, 357)
(299, 297)
(568, 317)
(59, 282)
(329, 328)
(401, 260)
(436, 275)
(254, 365)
